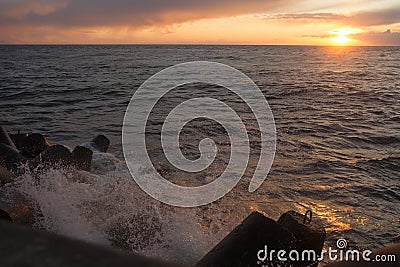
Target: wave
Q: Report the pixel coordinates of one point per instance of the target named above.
(107, 207)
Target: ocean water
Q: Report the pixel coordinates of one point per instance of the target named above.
(337, 115)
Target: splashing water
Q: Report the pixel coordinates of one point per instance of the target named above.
(107, 207)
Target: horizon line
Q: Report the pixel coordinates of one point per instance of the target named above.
(193, 44)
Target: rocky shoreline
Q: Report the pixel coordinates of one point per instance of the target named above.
(20, 245)
(24, 246)
(33, 153)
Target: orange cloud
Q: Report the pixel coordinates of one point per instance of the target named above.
(63, 13)
(178, 21)
(387, 38)
(91, 21)
(361, 19)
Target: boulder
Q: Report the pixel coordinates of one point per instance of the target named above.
(256, 236)
(21, 208)
(309, 233)
(5, 216)
(54, 156)
(10, 158)
(82, 158)
(101, 143)
(33, 145)
(18, 139)
(5, 138)
(6, 176)
(23, 246)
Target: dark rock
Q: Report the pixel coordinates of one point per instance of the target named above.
(30, 145)
(242, 245)
(309, 233)
(18, 139)
(101, 143)
(6, 176)
(5, 138)
(22, 209)
(10, 158)
(54, 156)
(22, 246)
(33, 145)
(82, 158)
(5, 216)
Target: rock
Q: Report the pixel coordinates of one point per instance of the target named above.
(82, 158)
(33, 145)
(23, 246)
(10, 158)
(23, 210)
(309, 233)
(247, 241)
(101, 143)
(18, 139)
(5, 216)
(54, 156)
(5, 138)
(30, 145)
(6, 176)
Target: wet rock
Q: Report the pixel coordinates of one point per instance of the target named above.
(242, 246)
(82, 158)
(6, 176)
(5, 216)
(18, 139)
(33, 145)
(23, 246)
(5, 138)
(309, 233)
(10, 158)
(21, 209)
(101, 143)
(54, 156)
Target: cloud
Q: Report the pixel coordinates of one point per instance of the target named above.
(387, 38)
(361, 19)
(75, 13)
(319, 36)
(69, 21)
(126, 21)
(19, 9)
(308, 16)
(375, 18)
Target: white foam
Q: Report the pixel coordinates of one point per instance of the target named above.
(107, 207)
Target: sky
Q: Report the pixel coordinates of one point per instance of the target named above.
(275, 22)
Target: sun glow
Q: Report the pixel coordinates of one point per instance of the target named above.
(340, 36)
(340, 39)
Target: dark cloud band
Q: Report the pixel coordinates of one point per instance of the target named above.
(362, 19)
(74, 13)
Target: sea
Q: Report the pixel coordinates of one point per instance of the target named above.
(337, 117)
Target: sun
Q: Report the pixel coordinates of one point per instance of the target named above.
(340, 39)
(339, 36)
